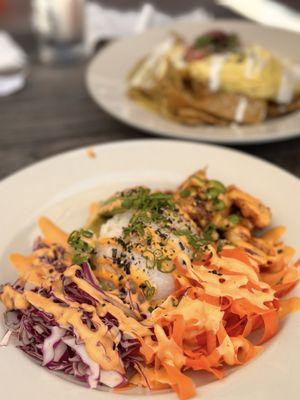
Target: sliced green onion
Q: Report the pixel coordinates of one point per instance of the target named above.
(216, 185)
(210, 233)
(148, 289)
(166, 269)
(212, 193)
(185, 193)
(234, 218)
(87, 233)
(220, 205)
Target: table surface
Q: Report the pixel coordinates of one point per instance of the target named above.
(54, 112)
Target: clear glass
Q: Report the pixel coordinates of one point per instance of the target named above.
(59, 25)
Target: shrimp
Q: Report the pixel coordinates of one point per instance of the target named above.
(250, 207)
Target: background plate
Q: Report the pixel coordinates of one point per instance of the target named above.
(106, 82)
(62, 188)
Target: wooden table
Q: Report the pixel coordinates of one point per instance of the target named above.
(54, 113)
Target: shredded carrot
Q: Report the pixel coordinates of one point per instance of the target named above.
(288, 306)
(271, 322)
(178, 330)
(238, 254)
(182, 384)
(211, 341)
(284, 288)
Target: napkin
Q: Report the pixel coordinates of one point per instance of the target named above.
(267, 12)
(13, 62)
(106, 23)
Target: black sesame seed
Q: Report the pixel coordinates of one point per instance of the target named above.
(181, 246)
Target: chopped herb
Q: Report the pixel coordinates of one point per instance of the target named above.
(220, 244)
(210, 233)
(216, 185)
(147, 289)
(82, 248)
(185, 193)
(217, 41)
(220, 205)
(142, 199)
(212, 193)
(149, 240)
(150, 207)
(193, 239)
(234, 218)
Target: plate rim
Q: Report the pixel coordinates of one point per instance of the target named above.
(122, 142)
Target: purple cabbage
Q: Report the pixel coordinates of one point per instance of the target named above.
(60, 348)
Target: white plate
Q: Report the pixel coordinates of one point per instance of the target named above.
(106, 82)
(62, 188)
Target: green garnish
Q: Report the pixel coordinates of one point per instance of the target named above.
(147, 289)
(193, 239)
(220, 244)
(137, 224)
(217, 185)
(220, 205)
(217, 41)
(215, 188)
(158, 260)
(210, 233)
(212, 193)
(234, 218)
(185, 193)
(142, 199)
(150, 207)
(82, 249)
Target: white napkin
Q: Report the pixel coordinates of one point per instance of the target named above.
(267, 12)
(13, 61)
(105, 23)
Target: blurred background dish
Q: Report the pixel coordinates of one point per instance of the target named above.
(214, 79)
(107, 79)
